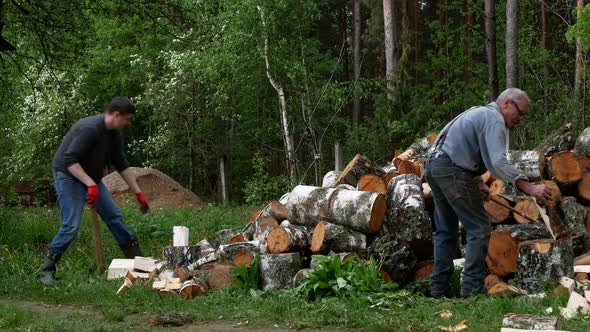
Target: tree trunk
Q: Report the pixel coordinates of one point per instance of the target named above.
(467, 52)
(545, 45)
(561, 139)
(531, 322)
(357, 167)
(416, 16)
(490, 46)
(565, 168)
(407, 216)
(361, 211)
(396, 257)
(277, 270)
(582, 146)
(511, 43)
(289, 239)
(530, 163)
(330, 237)
(389, 34)
(183, 256)
(356, 62)
(579, 57)
(543, 261)
(287, 138)
(502, 253)
(238, 253)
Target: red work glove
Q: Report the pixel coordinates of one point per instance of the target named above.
(144, 204)
(92, 195)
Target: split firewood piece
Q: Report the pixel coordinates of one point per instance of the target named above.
(253, 216)
(278, 270)
(286, 239)
(119, 267)
(180, 236)
(222, 237)
(371, 183)
(300, 276)
(164, 292)
(527, 207)
(502, 288)
(543, 261)
(410, 167)
(173, 284)
(146, 264)
(531, 163)
(531, 322)
(526, 232)
(184, 256)
(357, 167)
(496, 187)
(582, 259)
(396, 257)
(497, 212)
(555, 194)
(331, 237)
(240, 237)
(278, 211)
(136, 280)
(361, 211)
(238, 253)
(491, 280)
(581, 276)
(159, 284)
(166, 274)
(584, 187)
(424, 270)
(553, 220)
(576, 304)
(330, 179)
(405, 156)
(192, 288)
(502, 253)
(565, 168)
(422, 145)
(582, 146)
(127, 284)
(455, 328)
(407, 217)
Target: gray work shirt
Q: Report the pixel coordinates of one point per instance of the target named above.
(476, 141)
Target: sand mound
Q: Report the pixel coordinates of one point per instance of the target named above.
(160, 190)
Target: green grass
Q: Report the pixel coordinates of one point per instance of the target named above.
(25, 234)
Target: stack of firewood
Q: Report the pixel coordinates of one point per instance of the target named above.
(386, 213)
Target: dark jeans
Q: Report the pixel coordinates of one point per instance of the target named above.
(457, 198)
(71, 195)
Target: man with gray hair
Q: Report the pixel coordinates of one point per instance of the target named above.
(473, 142)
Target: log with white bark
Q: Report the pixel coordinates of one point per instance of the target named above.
(184, 256)
(222, 237)
(407, 217)
(396, 257)
(192, 288)
(575, 217)
(542, 262)
(277, 210)
(287, 239)
(300, 277)
(529, 162)
(357, 167)
(330, 179)
(560, 140)
(361, 211)
(531, 322)
(277, 270)
(180, 236)
(526, 232)
(238, 253)
(216, 275)
(582, 146)
(331, 237)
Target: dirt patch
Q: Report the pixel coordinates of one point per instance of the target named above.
(160, 190)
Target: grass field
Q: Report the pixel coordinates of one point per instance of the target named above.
(83, 301)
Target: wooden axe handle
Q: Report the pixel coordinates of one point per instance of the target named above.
(97, 246)
(493, 199)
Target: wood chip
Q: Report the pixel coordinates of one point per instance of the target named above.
(459, 327)
(446, 314)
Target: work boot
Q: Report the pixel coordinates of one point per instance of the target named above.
(132, 249)
(47, 275)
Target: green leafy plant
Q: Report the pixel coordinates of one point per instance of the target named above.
(247, 277)
(262, 186)
(351, 278)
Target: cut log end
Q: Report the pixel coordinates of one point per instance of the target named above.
(497, 213)
(502, 253)
(278, 211)
(496, 187)
(277, 240)
(378, 214)
(555, 194)
(565, 167)
(317, 239)
(528, 208)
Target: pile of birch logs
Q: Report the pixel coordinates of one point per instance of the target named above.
(386, 213)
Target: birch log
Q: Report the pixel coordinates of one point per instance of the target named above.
(286, 239)
(330, 237)
(278, 270)
(357, 167)
(531, 163)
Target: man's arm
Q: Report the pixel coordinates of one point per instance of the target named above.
(128, 176)
(78, 172)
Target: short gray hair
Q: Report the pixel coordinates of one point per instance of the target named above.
(512, 94)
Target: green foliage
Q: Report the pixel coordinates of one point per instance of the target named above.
(262, 187)
(581, 29)
(247, 277)
(349, 278)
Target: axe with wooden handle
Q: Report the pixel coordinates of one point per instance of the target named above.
(97, 246)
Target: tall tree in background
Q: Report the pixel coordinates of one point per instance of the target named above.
(389, 36)
(511, 43)
(467, 51)
(545, 45)
(490, 28)
(579, 57)
(356, 61)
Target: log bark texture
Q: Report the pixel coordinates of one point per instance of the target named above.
(287, 239)
(526, 232)
(529, 162)
(543, 261)
(531, 322)
(582, 146)
(176, 257)
(277, 270)
(560, 140)
(396, 257)
(357, 167)
(331, 237)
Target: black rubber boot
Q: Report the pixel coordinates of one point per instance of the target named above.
(132, 249)
(47, 275)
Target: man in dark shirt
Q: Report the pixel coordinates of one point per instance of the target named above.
(88, 147)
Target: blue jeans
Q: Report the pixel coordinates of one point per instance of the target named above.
(457, 198)
(71, 195)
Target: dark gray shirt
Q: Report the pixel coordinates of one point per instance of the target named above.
(90, 144)
(476, 141)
